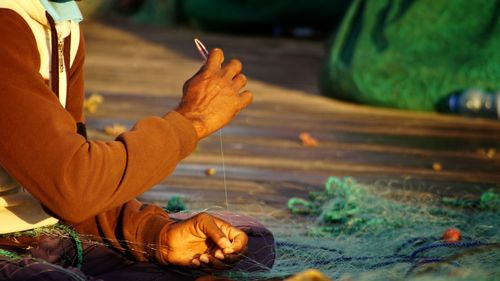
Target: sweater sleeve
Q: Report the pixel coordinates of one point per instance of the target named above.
(133, 228)
(90, 184)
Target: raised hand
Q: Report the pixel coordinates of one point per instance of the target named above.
(214, 95)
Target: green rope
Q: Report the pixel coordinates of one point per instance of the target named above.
(300, 206)
(175, 204)
(489, 201)
(48, 230)
(9, 254)
(337, 207)
(78, 243)
(345, 208)
(341, 190)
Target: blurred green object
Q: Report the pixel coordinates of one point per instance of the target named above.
(409, 54)
(175, 204)
(369, 232)
(94, 8)
(158, 12)
(490, 201)
(257, 15)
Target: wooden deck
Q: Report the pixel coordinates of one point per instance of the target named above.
(140, 72)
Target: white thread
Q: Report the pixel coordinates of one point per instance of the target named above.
(223, 168)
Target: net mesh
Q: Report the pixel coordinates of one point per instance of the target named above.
(351, 231)
(365, 233)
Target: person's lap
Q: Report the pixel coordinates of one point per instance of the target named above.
(55, 258)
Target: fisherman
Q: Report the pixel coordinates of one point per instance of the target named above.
(52, 177)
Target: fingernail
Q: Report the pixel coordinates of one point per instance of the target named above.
(204, 259)
(219, 255)
(228, 250)
(196, 262)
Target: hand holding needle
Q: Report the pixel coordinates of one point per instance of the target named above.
(201, 48)
(215, 94)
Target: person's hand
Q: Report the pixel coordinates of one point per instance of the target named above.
(214, 95)
(203, 242)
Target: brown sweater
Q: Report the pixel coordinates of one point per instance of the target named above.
(88, 184)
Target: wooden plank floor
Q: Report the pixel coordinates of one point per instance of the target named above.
(140, 72)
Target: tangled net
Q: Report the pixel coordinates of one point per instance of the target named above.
(355, 232)
(361, 233)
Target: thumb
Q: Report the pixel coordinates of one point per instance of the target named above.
(214, 60)
(208, 226)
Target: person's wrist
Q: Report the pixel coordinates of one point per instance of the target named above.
(162, 252)
(196, 122)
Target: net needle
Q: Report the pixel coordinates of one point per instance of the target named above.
(201, 48)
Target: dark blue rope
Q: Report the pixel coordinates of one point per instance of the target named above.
(415, 258)
(307, 247)
(415, 242)
(446, 245)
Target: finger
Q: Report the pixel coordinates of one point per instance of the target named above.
(238, 244)
(215, 60)
(233, 258)
(246, 98)
(204, 258)
(196, 262)
(218, 254)
(232, 69)
(208, 226)
(218, 264)
(199, 265)
(238, 238)
(240, 81)
(238, 241)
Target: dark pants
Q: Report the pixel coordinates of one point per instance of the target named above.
(54, 258)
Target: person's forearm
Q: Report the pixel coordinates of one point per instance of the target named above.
(74, 178)
(96, 175)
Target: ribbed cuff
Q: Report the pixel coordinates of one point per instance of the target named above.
(187, 133)
(156, 227)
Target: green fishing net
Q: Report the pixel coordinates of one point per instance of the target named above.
(357, 232)
(175, 204)
(351, 231)
(410, 54)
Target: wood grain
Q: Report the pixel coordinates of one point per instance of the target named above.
(140, 72)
